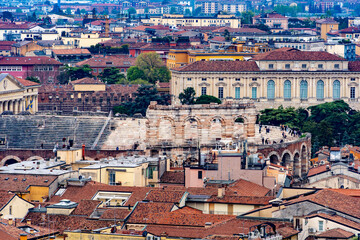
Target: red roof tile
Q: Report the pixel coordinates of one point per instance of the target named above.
(165, 196)
(336, 233)
(86, 207)
(173, 177)
(109, 61)
(218, 39)
(115, 213)
(27, 83)
(349, 192)
(86, 80)
(337, 219)
(354, 66)
(28, 61)
(220, 66)
(75, 51)
(287, 232)
(147, 212)
(246, 188)
(316, 170)
(20, 182)
(287, 54)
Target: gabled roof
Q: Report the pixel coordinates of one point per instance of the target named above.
(109, 61)
(86, 207)
(220, 66)
(86, 80)
(336, 233)
(28, 61)
(165, 196)
(350, 30)
(292, 54)
(27, 83)
(317, 170)
(75, 51)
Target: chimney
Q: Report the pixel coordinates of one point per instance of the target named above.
(10, 221)
(28, 221)
(221, 192)
(23, 236)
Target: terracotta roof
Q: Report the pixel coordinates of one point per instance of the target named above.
(64, 222)
(354, 66)
(286, 54)
(241, 200)
(86, 80)
(327, 20)
(238, 30)
(75, 51)
(246, 188)
(270, 15)
(28, 61)
(27, 83)
(146, 212)
(173, 177)
(17, 26)
(316, 170)
(20, 182)
(220, 66)
(349, 192)
(109, 61)
(117, 213)
(287, 232)
(350, 30)
(165, 196)
(76, 194)
(189, 210)
(332, 200)
(86, 207)
(5, 197)
(163, 85)
(336, 233)
(218, 39)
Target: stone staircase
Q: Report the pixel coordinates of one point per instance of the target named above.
(30, 132)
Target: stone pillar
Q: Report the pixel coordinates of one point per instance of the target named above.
(1, 107)
(16, 107)
(11, 106)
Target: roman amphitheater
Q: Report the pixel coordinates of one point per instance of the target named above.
(177, 131)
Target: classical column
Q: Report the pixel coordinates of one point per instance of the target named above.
(10, 105)
(15, 106)
(1, 107)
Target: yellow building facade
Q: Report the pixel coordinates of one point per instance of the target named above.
(323, 26)
(18, 95)
(84, 40)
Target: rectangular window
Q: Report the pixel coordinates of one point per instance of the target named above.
(189, 79)
(352, 79)
(321, 225)
(320, 66)
(253, 92)
(199, 174)
(303, 66)
(287, 66)
(271, 66)
(203, 79)
(237, 79)
(336, 66)
(352, 93)
(237, 92)
(203, 91)
(254, 79)
(221, 79)
(112, 178)
(221, 92)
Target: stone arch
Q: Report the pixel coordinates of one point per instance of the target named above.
(304, 159)
(191, 128)
(166, 127)
(297, 165)
(240, 129)
(274, 157)
(216, 127)
(34, 158)
(8, 158)
(286, 158)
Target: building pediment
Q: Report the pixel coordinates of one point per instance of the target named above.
(204, 84)
(237, 84)
(9, 84)
(222, 84)
(254, 84)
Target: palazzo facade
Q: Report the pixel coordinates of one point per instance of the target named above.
(17, 95)
(285, 77)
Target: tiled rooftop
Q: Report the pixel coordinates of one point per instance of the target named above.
(174, 177)
(165, 196)
(336, 233)
(86, 207)
(220, 66)
(20, 182)
(109, 61)
(28, 61)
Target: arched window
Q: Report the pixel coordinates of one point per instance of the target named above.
(320, 90)
(271, 90)
(287, 89)
(336, 89)
(303, 90)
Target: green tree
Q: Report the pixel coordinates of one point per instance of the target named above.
(68, 11)
(207, 99)
(153, 68)
(19, 10)
(131, 11)
(140, 81)
(144, 95)
(134, 73)
(83, 11)
(33, 79)
(72, 73)
(77, 11)
(188, 96)
(111, 75)
(246, 17)
(173, 10)
(227, 35)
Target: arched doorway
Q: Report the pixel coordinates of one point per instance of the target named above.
(11, 159)
(297, 165)
(286, 160)
(304, 160)
(274, 159)
(191, 129)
